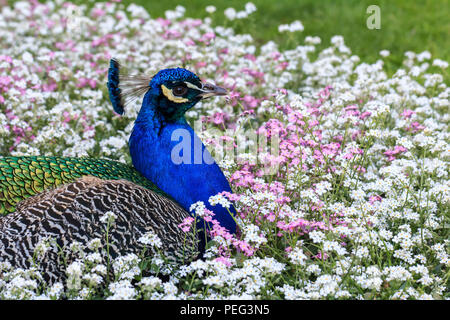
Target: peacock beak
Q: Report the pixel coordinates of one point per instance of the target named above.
(210, 90)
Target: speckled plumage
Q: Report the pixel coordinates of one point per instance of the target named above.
(72, 212)
(22, 177)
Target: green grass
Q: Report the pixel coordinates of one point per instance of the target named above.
(405, 25)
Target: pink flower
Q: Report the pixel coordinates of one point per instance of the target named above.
(250, 57)
(189, 42)
(250, 102)
(218, 118)
(224, 260)
(416, 126)
(391, 153)
(321, 256)
(83, 82)
(407, 113)
(254, 73)
(244, 247)
(348, 156)
(331, 148)
(172, 34)
(275, 55)
(5, 81)
(164, 22)
(374, 198)
(186, 224)
(207, 37)
(101, 41)
(97, 12)
(282, 66)
(365, 114)
(313, 123)
(6, 58)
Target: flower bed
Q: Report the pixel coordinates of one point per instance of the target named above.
(356, 208)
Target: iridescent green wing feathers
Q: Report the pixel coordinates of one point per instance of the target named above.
(22, 177)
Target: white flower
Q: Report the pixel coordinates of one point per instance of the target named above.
(150, 283)
(384, 53)
(74, 272)
(198, 208)
(100, 269)
(426, 55)
(150, 238)
(122, 290)
(94, 257)
(296, 256)
(312, 40)
(108, 218)
(56, 290)
(75, 269)
(253, 234)
(93, 244)
(296, 26)
(314, 268)
(316, 236)
(126, 263)
(42, 247)
(293, 27)
(230, 13)
(170, 288)
(210, 9)
(361, 252)
(250, 7)
(92, 279)
(27, 57)
(440, 63)
(219, 199)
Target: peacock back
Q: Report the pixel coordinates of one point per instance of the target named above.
(22, 177)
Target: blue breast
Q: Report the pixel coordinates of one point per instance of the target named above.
(151, 147)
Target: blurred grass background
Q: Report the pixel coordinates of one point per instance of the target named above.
(406, 25)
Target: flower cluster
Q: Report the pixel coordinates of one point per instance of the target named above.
(354, 205)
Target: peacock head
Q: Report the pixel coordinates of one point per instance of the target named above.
(177, 90)
(171, 91)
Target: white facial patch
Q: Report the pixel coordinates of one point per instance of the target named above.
(193, 86)
(205, 88)
(169, 95)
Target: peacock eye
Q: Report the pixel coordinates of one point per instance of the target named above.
(179, 90)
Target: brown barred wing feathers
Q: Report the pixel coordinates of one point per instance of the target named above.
(72, 213)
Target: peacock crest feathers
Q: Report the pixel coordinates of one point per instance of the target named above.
(124, 88)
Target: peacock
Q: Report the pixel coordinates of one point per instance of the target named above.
(154, 149)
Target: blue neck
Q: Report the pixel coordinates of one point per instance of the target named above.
(152, 152)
